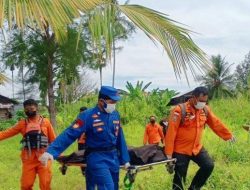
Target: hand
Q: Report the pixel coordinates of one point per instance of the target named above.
(169, 157)
(232, 140)
(45, 158)
(170, 167)
(127, 165)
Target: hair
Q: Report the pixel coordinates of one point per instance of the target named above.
(201, 90)
(102, 96)
(83, 108)
(30, 102)
(152, 116)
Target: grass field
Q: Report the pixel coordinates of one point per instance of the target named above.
(232, 161)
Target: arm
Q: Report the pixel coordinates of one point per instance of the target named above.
(145, 138)
(122, 147)
(161, 133)
(66, 138)
(11, 131)
(51, 132)
(217, 126)
(174, 122)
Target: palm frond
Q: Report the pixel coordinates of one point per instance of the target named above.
(3, 79)
(56, 13)
(182, 51)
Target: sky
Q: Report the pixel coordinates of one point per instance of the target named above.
(222, 27)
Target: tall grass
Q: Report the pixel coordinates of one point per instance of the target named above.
(232, 168)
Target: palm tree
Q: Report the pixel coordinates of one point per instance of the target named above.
(176, 40)
(55, 15)
(137, 91)
(218, 80)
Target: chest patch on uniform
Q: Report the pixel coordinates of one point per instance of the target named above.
(99, 129)
(116, 121)
(78, 124)
(95, 116)
(98, 124)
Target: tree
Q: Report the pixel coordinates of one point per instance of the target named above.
(176, 41)
(15, 55)
(242, 74)
(78, 88)
(122, 29)
(137, 91)
(47, 61)
(52, 18)
(160, 99)
(218, 80)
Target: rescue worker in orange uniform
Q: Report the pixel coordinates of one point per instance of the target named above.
(37, 133)
(153, 132)
(183, 138)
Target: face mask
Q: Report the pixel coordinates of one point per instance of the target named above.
(200, 105)
(152, 121)
(109, 108)
(30, 113)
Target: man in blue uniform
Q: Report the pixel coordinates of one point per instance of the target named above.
(106, 146)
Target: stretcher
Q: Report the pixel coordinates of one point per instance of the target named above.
(77, 159)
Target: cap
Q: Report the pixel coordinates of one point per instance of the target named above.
(111, 92)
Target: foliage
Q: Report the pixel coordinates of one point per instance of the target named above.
(159, 99)
(175, 39)
(137, 91)
(242, 74)
(231, 160)
(218, 79)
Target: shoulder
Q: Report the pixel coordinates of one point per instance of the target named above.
(46, 121)
(116, 113)
(176, 109)
(86, 114)
(21, 122)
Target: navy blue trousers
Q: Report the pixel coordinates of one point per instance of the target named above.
(103, 179)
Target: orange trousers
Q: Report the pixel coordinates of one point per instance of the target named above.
(32, 166)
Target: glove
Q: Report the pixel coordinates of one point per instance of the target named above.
(45, 158)
(169, 157)
(232, 140)
(127, 165)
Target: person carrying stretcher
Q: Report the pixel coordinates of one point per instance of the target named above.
(153, 132)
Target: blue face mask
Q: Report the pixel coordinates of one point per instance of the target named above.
(109, 108)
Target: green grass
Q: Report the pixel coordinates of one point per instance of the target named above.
(232, 168)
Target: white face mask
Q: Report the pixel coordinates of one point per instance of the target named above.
(200, 105)
(109, 108)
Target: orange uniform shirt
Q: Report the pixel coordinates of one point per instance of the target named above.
(186, 138)
(20, 127)
(153, 134)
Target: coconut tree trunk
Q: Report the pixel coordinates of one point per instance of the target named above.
(113, 80)
(100, 70)
(12, 78)
(50, 38)
(51, 98)
(24, 96)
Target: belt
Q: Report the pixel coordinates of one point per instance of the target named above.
(99, 149)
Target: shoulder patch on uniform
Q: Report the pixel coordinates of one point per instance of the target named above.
(98, 124)
(78, 124)
(116, 121)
